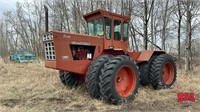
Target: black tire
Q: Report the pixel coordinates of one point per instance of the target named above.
(144, 69)
(156, 71)
(108, 75)
(92, 75)
(68, 79)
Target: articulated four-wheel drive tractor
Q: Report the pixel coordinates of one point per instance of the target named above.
(101, 59)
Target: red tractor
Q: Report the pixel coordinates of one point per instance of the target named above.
(101, 59)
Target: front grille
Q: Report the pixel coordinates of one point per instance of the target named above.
(49, 51)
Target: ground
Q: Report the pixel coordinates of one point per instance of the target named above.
(32, 87)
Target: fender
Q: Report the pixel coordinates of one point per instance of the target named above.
(146, 55)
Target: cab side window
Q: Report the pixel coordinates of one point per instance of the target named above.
(125, 34)
(108, 22)
(95, 27)
(117, 30)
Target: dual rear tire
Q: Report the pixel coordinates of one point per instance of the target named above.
(160, 71)
(144, 69)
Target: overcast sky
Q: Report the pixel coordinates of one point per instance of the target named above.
(6, 5)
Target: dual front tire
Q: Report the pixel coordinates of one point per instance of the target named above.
(117, 78)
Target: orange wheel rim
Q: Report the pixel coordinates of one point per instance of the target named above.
(168, 73)
(125, 81)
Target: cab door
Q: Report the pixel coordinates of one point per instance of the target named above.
(119, 41)
(116, 34)
(108, 41)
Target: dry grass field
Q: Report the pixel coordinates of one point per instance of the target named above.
(30, 87)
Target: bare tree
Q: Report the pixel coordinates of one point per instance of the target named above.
(164, 25)
(152, 25)
(192, 10)
(179, 32)
(147, 12)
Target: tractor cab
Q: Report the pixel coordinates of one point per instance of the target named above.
(112, 27)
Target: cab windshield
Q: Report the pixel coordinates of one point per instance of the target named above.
(95, 27)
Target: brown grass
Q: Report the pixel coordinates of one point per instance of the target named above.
(32, 87)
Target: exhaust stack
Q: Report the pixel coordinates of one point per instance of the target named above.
(46, 19)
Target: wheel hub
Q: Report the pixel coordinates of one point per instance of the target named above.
(125, 81)
(168, 73)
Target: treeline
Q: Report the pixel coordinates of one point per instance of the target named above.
(172, 25)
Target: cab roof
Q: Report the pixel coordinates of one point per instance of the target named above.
(104, 13)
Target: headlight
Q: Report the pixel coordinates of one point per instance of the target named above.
(48, 36)
(44, 37)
